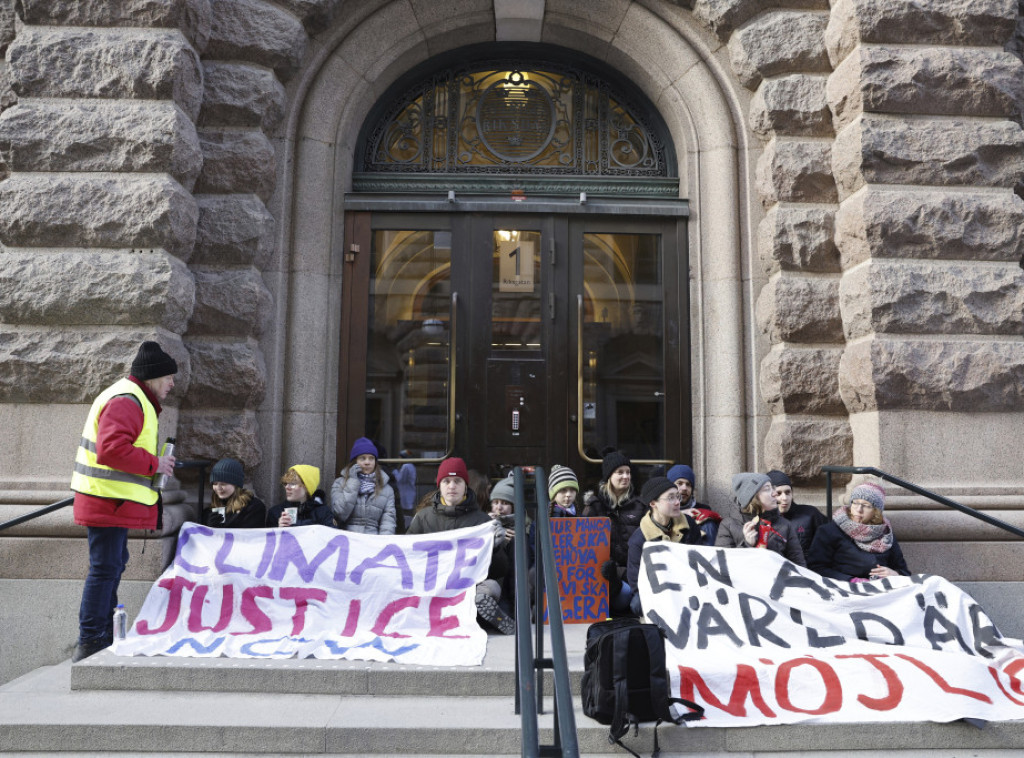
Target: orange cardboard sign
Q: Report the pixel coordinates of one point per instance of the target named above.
(581, 545)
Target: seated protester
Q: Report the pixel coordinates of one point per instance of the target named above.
(614, 499)
(805, 519)
(454, 506)
(755, 496)
(298, 482)
(665, 522)
(563, 486)
(683, 478)
(361, 499)
(502, 509)
(502, 504)
(231, 506)
(858, 544)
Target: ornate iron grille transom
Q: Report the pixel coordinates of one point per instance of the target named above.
(498, 117)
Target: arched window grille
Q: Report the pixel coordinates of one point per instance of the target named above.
(512, 118)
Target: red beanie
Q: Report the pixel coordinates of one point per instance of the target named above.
(452, 467)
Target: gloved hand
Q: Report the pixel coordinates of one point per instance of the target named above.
(499, 533)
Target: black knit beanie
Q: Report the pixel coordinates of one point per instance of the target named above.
(615, 459)
(655, 488)
(779, 479)
(151, 362)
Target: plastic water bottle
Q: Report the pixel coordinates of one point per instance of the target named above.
(160, 480)
(120, 625)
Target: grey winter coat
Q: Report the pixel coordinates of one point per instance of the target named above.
(367, 514)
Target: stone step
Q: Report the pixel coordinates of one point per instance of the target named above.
(310, 676)
(40, 712)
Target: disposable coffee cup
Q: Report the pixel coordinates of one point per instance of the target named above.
(293, 513)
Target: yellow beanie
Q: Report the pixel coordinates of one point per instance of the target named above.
(310, 476)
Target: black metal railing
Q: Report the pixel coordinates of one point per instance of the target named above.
(965, 509)
(530, 661)
(37, 513)
(201, 465)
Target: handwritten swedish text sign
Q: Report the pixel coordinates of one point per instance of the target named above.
(580, 546)
(756, 639)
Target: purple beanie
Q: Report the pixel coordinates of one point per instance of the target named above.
(362, 446)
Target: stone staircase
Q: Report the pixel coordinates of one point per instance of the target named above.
(229, 707)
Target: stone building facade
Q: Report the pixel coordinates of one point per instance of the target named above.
(177, 170)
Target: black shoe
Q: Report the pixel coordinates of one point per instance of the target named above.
(488, 609)
(84, 649)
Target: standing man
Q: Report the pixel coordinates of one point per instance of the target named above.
(114, 468)
(805, 519)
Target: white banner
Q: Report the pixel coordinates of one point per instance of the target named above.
(756, 639)
(313, 591)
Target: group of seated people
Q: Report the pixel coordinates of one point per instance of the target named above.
(858, 545)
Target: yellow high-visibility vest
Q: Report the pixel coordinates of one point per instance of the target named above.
(93, 478)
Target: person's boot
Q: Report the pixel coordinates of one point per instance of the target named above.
(84, 649)
(488, 609)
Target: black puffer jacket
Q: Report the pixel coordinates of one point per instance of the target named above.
(805, 520)
(625, 520)
(835, 555)
(316, 510)
(252, 516)
(783, 540)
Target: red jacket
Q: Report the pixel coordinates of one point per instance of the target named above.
(120, 424)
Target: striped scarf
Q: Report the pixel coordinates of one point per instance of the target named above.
(871, 538)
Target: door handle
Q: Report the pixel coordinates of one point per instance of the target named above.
(579, 382)
(452, 344)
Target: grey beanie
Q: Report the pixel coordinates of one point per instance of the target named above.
(745, 486)
(229, 471)
(870, 492)
(504, 490)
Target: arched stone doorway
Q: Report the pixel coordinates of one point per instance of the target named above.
(702, 111)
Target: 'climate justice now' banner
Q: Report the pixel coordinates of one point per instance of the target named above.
(756, 639)
(313, 591)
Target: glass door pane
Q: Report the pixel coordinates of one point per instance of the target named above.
(409, 343)
(623, 380)
(515, 292)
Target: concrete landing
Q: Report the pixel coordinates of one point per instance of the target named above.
(110, 705)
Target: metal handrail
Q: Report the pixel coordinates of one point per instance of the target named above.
(529, 694)
(201, 465)
(965, 509)
(36, 514)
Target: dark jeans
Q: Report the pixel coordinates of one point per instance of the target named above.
(108, 555)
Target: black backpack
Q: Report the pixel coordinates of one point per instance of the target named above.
(624, 679)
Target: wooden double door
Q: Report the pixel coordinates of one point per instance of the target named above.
(515, 338)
